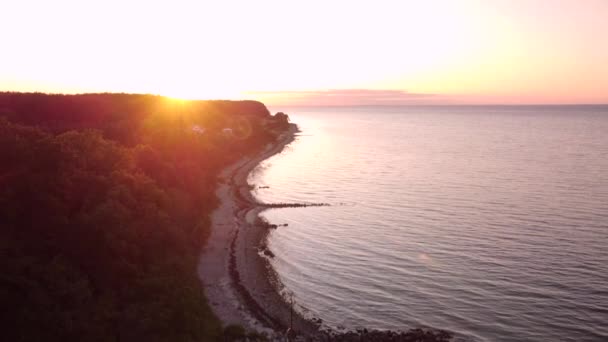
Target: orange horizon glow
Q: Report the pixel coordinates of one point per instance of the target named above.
(314, 52)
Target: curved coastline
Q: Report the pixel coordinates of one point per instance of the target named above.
(239, 281)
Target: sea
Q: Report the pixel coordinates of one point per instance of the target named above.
(487, 221)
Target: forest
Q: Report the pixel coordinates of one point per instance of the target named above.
(104, 206)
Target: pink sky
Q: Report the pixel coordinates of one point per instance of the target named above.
(340, 52)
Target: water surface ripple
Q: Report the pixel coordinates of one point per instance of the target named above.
(491, 222)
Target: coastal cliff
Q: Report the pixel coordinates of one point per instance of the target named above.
(105, 203)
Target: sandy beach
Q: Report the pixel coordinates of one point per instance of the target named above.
(239, 282)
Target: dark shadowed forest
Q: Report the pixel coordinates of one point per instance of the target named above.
(104, 203)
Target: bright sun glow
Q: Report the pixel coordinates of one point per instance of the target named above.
(468, 50)
(193, 92)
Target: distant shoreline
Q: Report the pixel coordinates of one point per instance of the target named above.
(239, 281)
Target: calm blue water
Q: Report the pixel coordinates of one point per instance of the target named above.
(490, 222)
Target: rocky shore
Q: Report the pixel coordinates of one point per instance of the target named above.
(239, 281)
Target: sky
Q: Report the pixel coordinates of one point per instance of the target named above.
(312, 52)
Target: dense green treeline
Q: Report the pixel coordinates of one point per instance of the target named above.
(104, 203)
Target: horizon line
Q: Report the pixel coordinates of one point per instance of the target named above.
(312, 104)
(451, 105)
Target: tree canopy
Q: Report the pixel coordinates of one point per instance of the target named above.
(105, 203)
